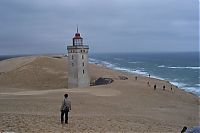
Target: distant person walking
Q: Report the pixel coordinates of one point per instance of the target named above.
(154, 87)
(171, 87)
(163, 87)
(135, 77)
(65, 108)
(148, 83)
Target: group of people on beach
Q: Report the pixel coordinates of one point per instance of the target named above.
(155, 86)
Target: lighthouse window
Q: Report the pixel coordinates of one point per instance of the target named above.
(82, 56)
(83, 71)
(72, 64)
(83, 64)
(75, 41)
(72, 57)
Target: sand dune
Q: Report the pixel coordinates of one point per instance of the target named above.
(13, 64)
(35, 73)
(32, 88)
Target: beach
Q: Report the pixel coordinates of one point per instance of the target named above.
(32, 89)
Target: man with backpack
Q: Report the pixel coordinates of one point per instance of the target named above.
(65, 108)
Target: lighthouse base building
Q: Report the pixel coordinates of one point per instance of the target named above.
(78, 73)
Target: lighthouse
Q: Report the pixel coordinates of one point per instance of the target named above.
(78, 73)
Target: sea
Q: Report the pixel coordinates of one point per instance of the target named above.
(181, 69)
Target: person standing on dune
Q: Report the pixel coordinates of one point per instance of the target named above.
(65, 108)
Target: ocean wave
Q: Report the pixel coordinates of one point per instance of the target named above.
(184, 67)
(192, 90)
(156, 77)
(134, 62)
(113, 66)
(162, 66)
(131, 70)
(107, 64)
(91, 60)
(198, 84)
(178, 84)
(141, 72)
(118, 59)
(175, 67)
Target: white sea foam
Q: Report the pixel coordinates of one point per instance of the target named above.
(122, 69)
(131, 71)
(141, 72)
(198, 84)
(156, 77)
(107, 64)
(118, 59)
(192, 89)
(161, 66)
(178, 84)
(92, 61)
(175, 67)
(133, 62)
(113, 66)
(184, 67)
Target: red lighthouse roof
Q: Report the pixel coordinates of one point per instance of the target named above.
(77, 35)
(77, 40)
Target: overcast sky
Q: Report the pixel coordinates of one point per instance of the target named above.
(47, 26)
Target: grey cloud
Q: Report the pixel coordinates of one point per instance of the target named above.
(47, 26)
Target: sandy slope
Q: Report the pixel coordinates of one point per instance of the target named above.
(32, 90)
(12, 64)
(40, 73)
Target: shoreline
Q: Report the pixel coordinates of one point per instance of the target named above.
(107, 67)
(179, 85)
(185, 89)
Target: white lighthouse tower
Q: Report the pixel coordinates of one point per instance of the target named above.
(78, 74)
